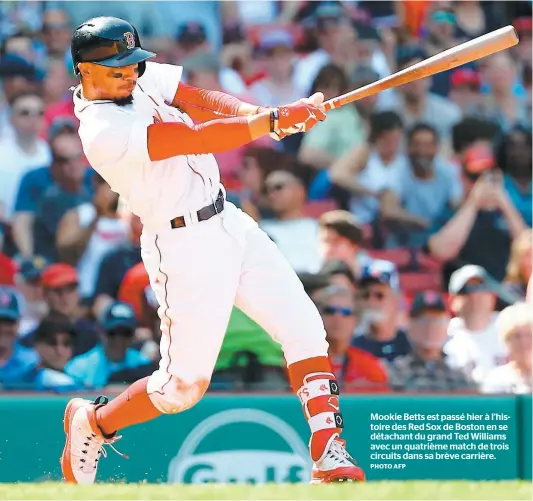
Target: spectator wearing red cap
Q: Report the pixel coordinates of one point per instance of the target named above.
(465, 90)
(487, 219)
(61, 293)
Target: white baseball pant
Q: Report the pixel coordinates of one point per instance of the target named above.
(198, 273)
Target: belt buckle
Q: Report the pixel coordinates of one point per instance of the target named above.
(219, 196)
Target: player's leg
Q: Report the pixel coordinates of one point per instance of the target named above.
(271, 294)
(195, 280)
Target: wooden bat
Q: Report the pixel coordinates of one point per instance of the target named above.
(466, 52)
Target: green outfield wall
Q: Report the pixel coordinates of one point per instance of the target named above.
(245, 438)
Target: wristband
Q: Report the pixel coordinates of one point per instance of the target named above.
(274, 117)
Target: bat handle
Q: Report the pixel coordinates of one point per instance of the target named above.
(330, 104)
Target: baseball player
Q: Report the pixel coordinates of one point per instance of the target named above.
(151, 137)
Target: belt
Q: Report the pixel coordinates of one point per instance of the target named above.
(203, 214)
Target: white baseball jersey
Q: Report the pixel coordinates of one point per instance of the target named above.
(114, 140)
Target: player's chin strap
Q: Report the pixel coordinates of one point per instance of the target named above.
(320, 400)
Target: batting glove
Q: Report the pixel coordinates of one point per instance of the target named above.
(300, 116)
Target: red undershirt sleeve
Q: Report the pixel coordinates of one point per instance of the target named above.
(203, 105)
(166, 140)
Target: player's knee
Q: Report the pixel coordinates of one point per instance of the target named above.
(178, 396)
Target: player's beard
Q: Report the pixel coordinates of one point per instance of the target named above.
(124, 101)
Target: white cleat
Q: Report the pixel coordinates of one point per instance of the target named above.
(336, 465)
(84, 443)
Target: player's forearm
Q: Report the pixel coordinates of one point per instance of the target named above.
(203, 105)
(167, 140)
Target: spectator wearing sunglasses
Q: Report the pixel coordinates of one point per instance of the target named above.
(22, 151)
(474, 344)
(427, 367)
(47, 193)
(54, 343)
(354, 368)
(114, 353)
(295, 234)
(379, 293)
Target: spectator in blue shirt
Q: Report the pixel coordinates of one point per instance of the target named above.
(514, 159)
(46, 193)
(379, 290)
(15, 360)
(114, 353)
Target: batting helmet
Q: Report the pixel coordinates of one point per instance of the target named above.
(108, 41)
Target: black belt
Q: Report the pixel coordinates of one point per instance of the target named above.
(204, 214)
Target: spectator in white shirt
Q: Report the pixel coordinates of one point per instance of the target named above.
(514, 327)
(366, 170)
(24, 150)
(337, 40)
(474, 344)
(295, 234)
(277, 87)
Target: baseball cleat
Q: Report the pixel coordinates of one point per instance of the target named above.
(84, 443)
(336, 466)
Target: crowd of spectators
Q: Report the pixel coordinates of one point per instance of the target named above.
(407, 214)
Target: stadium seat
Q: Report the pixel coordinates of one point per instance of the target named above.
(412, 282)
(401, 257)
(316, 208)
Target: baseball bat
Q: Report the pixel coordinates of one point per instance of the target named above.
(466, 52)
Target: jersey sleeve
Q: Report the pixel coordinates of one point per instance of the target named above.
(113, 137)
(164, 77)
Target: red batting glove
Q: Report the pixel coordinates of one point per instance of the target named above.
(296, 114)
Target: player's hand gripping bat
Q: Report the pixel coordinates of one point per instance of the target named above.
(456, 56)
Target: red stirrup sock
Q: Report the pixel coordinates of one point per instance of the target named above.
(318, 390)
(133, 406)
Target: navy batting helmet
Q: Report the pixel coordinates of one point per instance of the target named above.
(108, 41)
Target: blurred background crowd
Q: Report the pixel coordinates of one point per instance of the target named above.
(407, 214)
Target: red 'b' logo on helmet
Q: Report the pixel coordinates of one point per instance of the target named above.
(130, 39)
